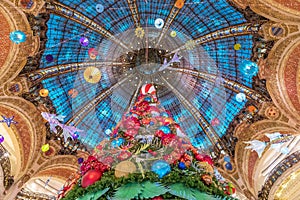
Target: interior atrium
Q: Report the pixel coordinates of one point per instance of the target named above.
(201, 97)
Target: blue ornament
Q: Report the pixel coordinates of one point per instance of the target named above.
(148, 99)
(248, 68)
(161, 168)
(99, 8)
(181, 165)
(75, 136)
(120, 141)
(114, 143)
(228, 166)
(151, 123)
(164, 114)
(165, 129)
(17, 37)
(227, 159)
(240, 97)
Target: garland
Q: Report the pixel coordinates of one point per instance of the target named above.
(109, 180)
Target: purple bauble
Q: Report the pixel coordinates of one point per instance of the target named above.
(1, 139)
(49, 58)
(80, 160)
(84, 41)
(75, 136)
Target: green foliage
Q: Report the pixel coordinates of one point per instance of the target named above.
(93, 195)
(128, 191)
(151, 190)
(178, 189)
(190, 179)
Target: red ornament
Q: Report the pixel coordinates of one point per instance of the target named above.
(159, 133)
(208, 160)
(157, 198)
(199, 157)
(90, 178)
(124, 155)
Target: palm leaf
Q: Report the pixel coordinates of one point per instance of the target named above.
(178, 189)
(99, 194)
(93, 195)
(151, 190)
(128, 191)
(201, 195)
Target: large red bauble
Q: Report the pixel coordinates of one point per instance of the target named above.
(90, 178)
(199, 157)
(208, 160)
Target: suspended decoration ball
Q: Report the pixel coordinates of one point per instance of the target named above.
(164, 114)
(165, 129)
(45, 148)
(206, 167)
(179, 4)
(161, 168)
(99, 8)
(44, 92)
(80, 160)
(252, 109)
(248, 68)
(49, 58)
(173, 34)
(159, 23)
(92, 75)
(124, 168)
(75, 136)
(215, 122)
(73, 93)
(208, 159)
(237, 46)
(1, 138)
(17, 37)
(181, 165)
(240, 97)
(90, 178)
(108, 131)
(84, 41)
(227, 159)
(228, 166)
(229, 189)
(93, 53)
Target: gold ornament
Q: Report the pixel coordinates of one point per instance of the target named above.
(124, 168)
(173, 33)
(237, 46)
(206, 167)
(139, 32)
(45, 148)
(92, 74)
(44, 92)
(207, 179)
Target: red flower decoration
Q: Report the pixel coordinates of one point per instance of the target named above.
(168, 138)
(159, 133)
(124, 155)
(143, 106)
(131, 123)
(108, 160)
(157, 198)
(93, 163)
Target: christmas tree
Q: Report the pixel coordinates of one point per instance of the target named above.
(147, 156)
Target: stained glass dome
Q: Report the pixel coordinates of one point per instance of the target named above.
(103, 52)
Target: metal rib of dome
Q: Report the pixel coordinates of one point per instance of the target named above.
(206, 80)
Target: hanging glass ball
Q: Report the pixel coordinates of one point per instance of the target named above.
(240, 97)
(165, 129)
(84, 41)
(228, 166)
(1, 139)
(161, 168)
(159, 23)
(99, 8)
(248, 68)
(49, 58)
(181, 165)
(173, 34)
(80, 160)
(17, 37)
(45, 148)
